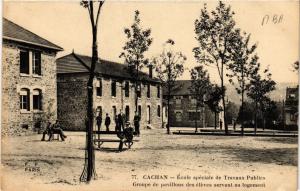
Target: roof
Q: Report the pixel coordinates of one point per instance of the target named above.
(182, 87)
(14, 32)
(76, 63)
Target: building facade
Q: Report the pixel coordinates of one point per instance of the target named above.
(183, 111)
(291, 108)
(28, 79)
(113, 91)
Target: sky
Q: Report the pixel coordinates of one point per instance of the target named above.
(67, 24)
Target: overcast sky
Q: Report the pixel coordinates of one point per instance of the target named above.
(67, 25)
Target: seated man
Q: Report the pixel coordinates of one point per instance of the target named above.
(128, 132)
(57, 129)
(47, 131)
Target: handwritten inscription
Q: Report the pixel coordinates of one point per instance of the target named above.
(272, 19)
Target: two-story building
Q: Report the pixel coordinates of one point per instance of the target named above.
(28, 79)
(113, 91)
(183, 111)
(291, 108)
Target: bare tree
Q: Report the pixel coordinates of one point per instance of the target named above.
(89, 168)
(169, 66)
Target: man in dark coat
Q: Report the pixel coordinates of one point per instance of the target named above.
(57, 128)
(99, 121)
(121, 120)
(47, 131)
(136, 121)
(107, 122)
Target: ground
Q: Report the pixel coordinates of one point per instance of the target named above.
(269, 163)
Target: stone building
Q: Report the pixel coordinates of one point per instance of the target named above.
(28, 79)
(183, 108)
(113, 91)
(291, 108)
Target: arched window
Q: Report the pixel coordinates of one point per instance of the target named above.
(99, 111)
(24, 99)
(37, 99)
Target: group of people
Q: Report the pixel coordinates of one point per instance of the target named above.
(54, 129)
(120, 121)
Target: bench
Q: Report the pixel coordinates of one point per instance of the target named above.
(118, 137)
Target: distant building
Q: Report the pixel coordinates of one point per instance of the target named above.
(113, 91)
(291, 107)
(183, 108)
(28, 78)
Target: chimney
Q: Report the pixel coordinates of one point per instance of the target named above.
(150, 71)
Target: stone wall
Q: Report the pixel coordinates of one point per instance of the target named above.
(184, 108)
(12, 82)
(72, 100)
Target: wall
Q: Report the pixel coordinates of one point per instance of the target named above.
(184, 108)
(72, 101)
(13, 81)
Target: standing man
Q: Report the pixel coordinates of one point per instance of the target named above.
(107, 122)
(136, 121)
(221, 124)
(99, 121)
(121, 120)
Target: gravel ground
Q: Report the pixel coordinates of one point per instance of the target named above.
(173, 162)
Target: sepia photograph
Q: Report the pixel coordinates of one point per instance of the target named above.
(150, 95)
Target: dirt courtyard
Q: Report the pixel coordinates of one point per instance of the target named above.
(156, 161)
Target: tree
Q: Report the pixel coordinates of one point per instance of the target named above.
(213, 101)
(169, 66)
(89, 167)
(138, 42)
(259, 88)
(244, 64)
(200, 87)
(215, 32)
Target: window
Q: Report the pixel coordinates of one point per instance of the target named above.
(158, 111)
(148, 91)
(99, 111)
(99, 87)
(178, 116)
(140, 111)
(114, 110)
(138, 91)
(36, 63)
(158, 91)
(24, 61)
(24, 99)
(126, 89)
(193, 100)
(194, 116)
(37, 99)
(178, 100)
(113, 88)
(127, 117)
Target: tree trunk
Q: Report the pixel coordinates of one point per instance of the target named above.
(242, 114)
(196, 125)
(168, 124)
(90, 112)
(255, 117)
(215, 120)
(223, 98)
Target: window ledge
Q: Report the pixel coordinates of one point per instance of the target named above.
(113, 97)
(37, 76)
(24, 75)
(25, 111)
(38, 111)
